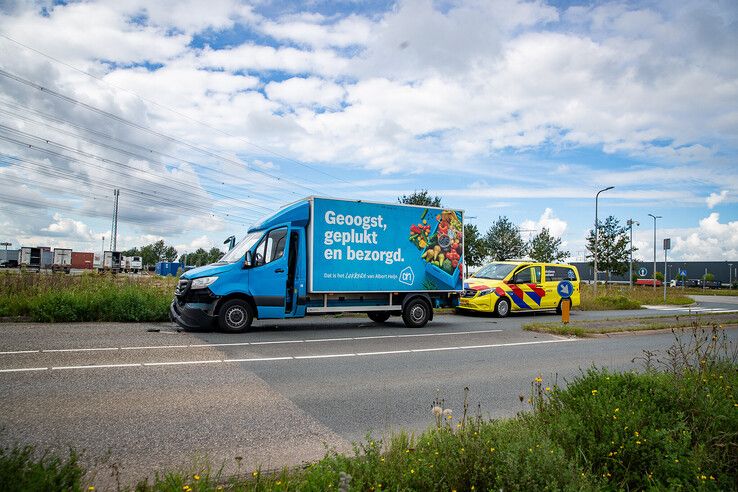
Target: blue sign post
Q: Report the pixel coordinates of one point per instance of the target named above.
(565, 289)
(642, 272)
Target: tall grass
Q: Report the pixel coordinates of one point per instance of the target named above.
(88, 297)
(617, 296)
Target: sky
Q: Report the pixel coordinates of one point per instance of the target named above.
(210, 115)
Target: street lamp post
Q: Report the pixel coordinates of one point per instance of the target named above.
(654, 247)
(630, 225)
(730, 274)
(597, 234)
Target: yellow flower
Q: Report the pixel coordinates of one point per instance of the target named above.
(594, 392)
(91, 488)
(255, 474)
(412, 470)
(491, 450)
(638, 442)
(462, 450)
(538, 379)
(196, 477)
(616, 410)
(548, 389)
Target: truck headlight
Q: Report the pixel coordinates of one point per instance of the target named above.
(202, 282)
(484, 292)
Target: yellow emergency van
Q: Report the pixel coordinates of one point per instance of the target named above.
(504, 286)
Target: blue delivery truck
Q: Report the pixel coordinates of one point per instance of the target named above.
(322, 255)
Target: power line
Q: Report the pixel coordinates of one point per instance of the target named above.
(147, 150)
(144, 128)
(178, 113)
(105, 160)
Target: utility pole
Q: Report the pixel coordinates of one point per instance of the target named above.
(654, 248)
(630, 225)
(730, 273)
(667, 246)
(114, 227)
(597, 233)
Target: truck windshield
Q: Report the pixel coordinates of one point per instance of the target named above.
(240, 249)
(494, 271)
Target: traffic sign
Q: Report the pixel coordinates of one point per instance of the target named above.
(565, 289)
(682, 272)
(642, 272)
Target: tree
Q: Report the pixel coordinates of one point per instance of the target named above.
(158, 251)
(200, 257)
(475, 247)
(613, 252)
(420, 198)
(503, 240)
(546, 248)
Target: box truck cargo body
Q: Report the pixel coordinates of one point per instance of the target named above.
(30, 257)
(9, 258)
(322, 255)
(62, 260)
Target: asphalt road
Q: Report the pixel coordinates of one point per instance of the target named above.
(276, 396)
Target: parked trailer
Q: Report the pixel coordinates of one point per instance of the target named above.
(62, 260)
(135, 264)
(321, 255)
(47, 259)
(82, 261)
(30, 258)
(9, 258)
(108, 262)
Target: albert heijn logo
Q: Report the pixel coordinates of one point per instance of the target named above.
(407, 276)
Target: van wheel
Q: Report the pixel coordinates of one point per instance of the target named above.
(378, 316)
(416, 313)
(502, 308)
(235, 316)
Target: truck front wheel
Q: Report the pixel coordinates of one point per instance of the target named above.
(416, 313)
(235, 316)
(378, 316)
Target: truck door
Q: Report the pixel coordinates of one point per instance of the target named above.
(268, 275)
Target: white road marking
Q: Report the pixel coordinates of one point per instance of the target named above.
(239, 344)
(692, 309)
(25, 369)
(183, 362)
(93, 366)
(295, 357)
(50, 351)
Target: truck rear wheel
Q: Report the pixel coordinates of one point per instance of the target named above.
(378, 316)
(235, 316)
(416, 313)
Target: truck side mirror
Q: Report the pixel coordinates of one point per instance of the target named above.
(247, 261)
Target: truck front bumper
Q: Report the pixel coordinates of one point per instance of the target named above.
(191, 316)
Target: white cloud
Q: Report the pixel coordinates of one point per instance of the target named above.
(556, 226)
(71, 229)
(712, 240)
(312, 91)
(715, 198)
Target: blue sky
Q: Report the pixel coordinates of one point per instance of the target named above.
(209, 115)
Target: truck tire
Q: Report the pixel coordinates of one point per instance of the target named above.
(502, 308)
(235, 316)
(416, 313)
(378, 316)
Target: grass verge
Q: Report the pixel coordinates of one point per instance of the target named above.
(623, 297)
(88, 297)
(585, 328)
(672, 426)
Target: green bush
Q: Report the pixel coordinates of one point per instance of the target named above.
(22, 471)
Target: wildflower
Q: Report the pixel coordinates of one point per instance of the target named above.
(616, 410)
(638, 442)
(196, 477)
(437, 411)
(186, 488)
(548, 389)
(712, 478)
(447, 413)
(91, 488)
(594, 392)
(255, 474)
(412, 470)
(538, 379)
(462, 450)
(676, 461)
(702, 477)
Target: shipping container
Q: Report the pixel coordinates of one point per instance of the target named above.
(321, 255)
(83, 261)
(135, 264)
(165, 268)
